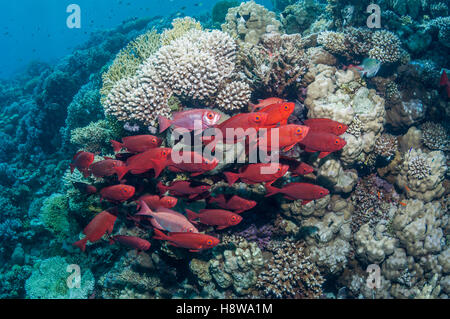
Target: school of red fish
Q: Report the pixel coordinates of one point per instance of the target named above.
(143, 154)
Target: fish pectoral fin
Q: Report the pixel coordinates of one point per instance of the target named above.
(221, 227)
(194, 250)
(309, 150)
(306, 201)
(289, 197)
(324, 154)
(287, 148)
(196, 174)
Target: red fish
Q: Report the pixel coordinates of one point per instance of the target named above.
(193, 241)
(214, 217)
(156, 159)
(137, 144)
(82, 160)
(278, 113)
(234, 129)
(105, 168)
(117, 193)
(445, 82)
(183, 188)
(266, 102)
(131, 242)
(288, 136)
(235, 203)
(167, 219)
(187, 119)
(255, 173)
(100, 225)
(302, 169)
(326, 126)
(85, 188)
(194, 163)
(325, 143)
(296, 167)
(304, 191)
(154, 201)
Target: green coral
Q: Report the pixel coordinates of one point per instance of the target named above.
(49, 280)
(96, 136)
(54, 215)
(180, 27)
(129, 58)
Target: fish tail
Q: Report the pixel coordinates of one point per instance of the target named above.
(271, 190)
(444, 79)
(162, 188)
(158, 166)
(160, 235)
(121, 171)
(145, 210)
(72, 168)
(218, 199)
(117, 146)
(231, 177)
(191, 215)
(81, 244)
(164, 123)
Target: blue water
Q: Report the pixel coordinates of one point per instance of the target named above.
(37, 30)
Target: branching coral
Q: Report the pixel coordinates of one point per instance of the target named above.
(234, 96)
(180, 27)
(290, 273)
(276, 64)
(435, 136)
(193, 67)
(386, 146)
(353, 42)
(128, 60)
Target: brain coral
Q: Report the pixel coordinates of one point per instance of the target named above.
(194, 67)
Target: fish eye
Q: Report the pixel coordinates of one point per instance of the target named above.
(257, 118)
(339, 126)
(299, 131)
(209, 242)
(210, 116)
(336, 141)
(233, 218)
(191, 230)
(279, 169)
(164, 153)
(154, 140)
(286, 107)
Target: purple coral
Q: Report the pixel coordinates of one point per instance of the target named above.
(261, 235)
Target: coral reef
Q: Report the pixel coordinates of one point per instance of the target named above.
(249, 22)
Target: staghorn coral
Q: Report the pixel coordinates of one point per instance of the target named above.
(192, 67)
(249, 22)
(290, 273)
(422, 174)
(275, 65)
(435, 136)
